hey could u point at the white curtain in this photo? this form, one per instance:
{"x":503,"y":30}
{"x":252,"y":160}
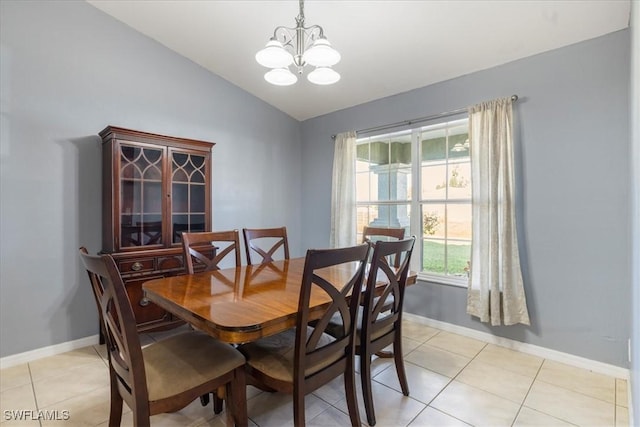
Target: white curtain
{"x":496,"y":292}
{"x":343,"y":192}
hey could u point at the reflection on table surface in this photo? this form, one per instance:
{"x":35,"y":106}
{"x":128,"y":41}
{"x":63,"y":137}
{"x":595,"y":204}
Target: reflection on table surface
{"x":244,"y":303}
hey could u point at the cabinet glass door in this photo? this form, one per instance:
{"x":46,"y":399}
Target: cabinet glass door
{"x":140,"y":196}
{"x":188,"y":193}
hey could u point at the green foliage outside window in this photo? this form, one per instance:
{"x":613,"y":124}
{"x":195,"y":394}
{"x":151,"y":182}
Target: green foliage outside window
{"x":457,"y":258}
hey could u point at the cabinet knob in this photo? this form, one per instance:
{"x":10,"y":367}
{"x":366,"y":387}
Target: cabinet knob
{"x":144,"y":302}
{"x":136,"y":266}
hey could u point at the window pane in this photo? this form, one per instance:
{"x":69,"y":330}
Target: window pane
{"x":180,"y":224}
{"x":363,"y":187}
{"x":151,"y":229}
{"x":433,"y":256}
{"x":362,"y":165}
{"x":179,"y":197}
{"x":196,"y":223}
{"x":458,"y":257}
{"x":379,"y":153}
{"x":391,"y":215}
{"x":364,"y":216}
{"x":458,"y":141}
{"x":402,"y":184}
{"x":434,"y":145}
{"x":459,"y":221}
{"x":434,"y":181}
{"x":197,"y":198}
{"x":362,"y":157}
{"x":152,"y":197}
{"x":433,"y":220}
{"x":401,"y":150}
{"x":381,"y":177}
{"x":459,"y":180}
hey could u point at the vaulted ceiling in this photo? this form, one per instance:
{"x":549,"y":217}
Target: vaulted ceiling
{"x":387,"y":47}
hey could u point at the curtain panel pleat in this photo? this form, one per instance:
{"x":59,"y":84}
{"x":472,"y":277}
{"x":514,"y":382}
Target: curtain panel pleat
{"x":496,"y":291}
{"x":343,"y":191}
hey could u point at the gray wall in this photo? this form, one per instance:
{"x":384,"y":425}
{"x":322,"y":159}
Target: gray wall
{"x":573,"y":191}
{"x":635,"y":211}
{"x":69,"y":70}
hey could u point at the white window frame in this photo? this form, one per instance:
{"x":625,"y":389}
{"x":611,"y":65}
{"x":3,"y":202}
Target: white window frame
{"x":416,"y":202}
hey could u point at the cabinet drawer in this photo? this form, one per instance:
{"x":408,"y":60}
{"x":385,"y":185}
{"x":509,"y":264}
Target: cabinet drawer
{"x":144,"y":310}
{"x":136,"y":265}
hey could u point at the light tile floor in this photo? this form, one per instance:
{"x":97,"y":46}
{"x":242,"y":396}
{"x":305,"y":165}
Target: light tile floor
{"x":454,"y":381}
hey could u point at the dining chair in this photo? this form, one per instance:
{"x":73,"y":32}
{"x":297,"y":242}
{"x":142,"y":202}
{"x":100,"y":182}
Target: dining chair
{"x":304,"y":358}
{"x":209,"y":249}
{"x":372,"y":234}
{"x":97,"y":290}
{"x":164,"y":376}
{"x":202,"y":246}
{"x":381,"y":315}
{"x":275,"y":237}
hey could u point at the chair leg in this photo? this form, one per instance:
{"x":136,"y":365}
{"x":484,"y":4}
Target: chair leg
{"x":350,"y":391}
{"x":204,"y":399}
{"x":399,"y":359}
{"x":141,"y":414}
{"x":298,"y":408}
{"x":365,"y":378}
{"x":115,"y":411}
{"x":218,"y":399}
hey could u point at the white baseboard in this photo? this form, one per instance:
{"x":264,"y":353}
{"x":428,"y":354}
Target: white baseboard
{"x":52,"y":350}
{"x":546,"y":353}
{"x":558,"y":356}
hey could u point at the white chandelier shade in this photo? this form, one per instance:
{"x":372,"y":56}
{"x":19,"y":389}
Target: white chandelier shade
{"x":274,"y":55}
{"x":280,"y":77}
{"x":298,"y":47}
{"x":323,"y":76}
{"x":321,"y":54}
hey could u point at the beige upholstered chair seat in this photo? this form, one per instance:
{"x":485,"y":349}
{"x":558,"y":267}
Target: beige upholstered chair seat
{"x":183,"y":361}
{"x":274,"y":355}
{"x":335,"y":326}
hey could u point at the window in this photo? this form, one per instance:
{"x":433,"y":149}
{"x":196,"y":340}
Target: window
{"x":420,"y":179}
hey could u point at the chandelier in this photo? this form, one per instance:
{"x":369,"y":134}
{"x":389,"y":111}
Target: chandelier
{"x":295,"y":48}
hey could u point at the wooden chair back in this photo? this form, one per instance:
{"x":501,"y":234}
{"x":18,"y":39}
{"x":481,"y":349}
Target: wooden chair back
{"x":276,"y":237}
{"x":127,"y":370}
{"x":304,"y":359}
{"x":127,"y":365}
{"x":382,"y":314}
{"x":337,"y":354}
{"x":383,"y":310}
{"x":202,"y":247}
{"x":372,"y":235}
{"x":98,"y":290}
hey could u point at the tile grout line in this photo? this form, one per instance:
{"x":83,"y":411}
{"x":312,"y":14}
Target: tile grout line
{"x":555,"y":385}
{"x":403,"y":356}
{"x":33,"y":389}
{"x":524,"y":399}
{"x":544,"y":360}
{"x":450,"y":380}
{"x":578,"y":392}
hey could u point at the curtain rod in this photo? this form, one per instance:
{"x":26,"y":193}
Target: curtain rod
{"x":418,"y":120}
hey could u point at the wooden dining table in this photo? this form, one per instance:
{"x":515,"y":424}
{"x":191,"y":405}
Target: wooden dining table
{"x":243,"y":304}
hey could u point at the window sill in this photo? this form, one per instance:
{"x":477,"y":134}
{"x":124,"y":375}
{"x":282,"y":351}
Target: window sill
{"x":459,"y":282}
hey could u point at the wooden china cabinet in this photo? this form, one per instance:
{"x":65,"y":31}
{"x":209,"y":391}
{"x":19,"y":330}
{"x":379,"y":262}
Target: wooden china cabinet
{"x":154,"y":188}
